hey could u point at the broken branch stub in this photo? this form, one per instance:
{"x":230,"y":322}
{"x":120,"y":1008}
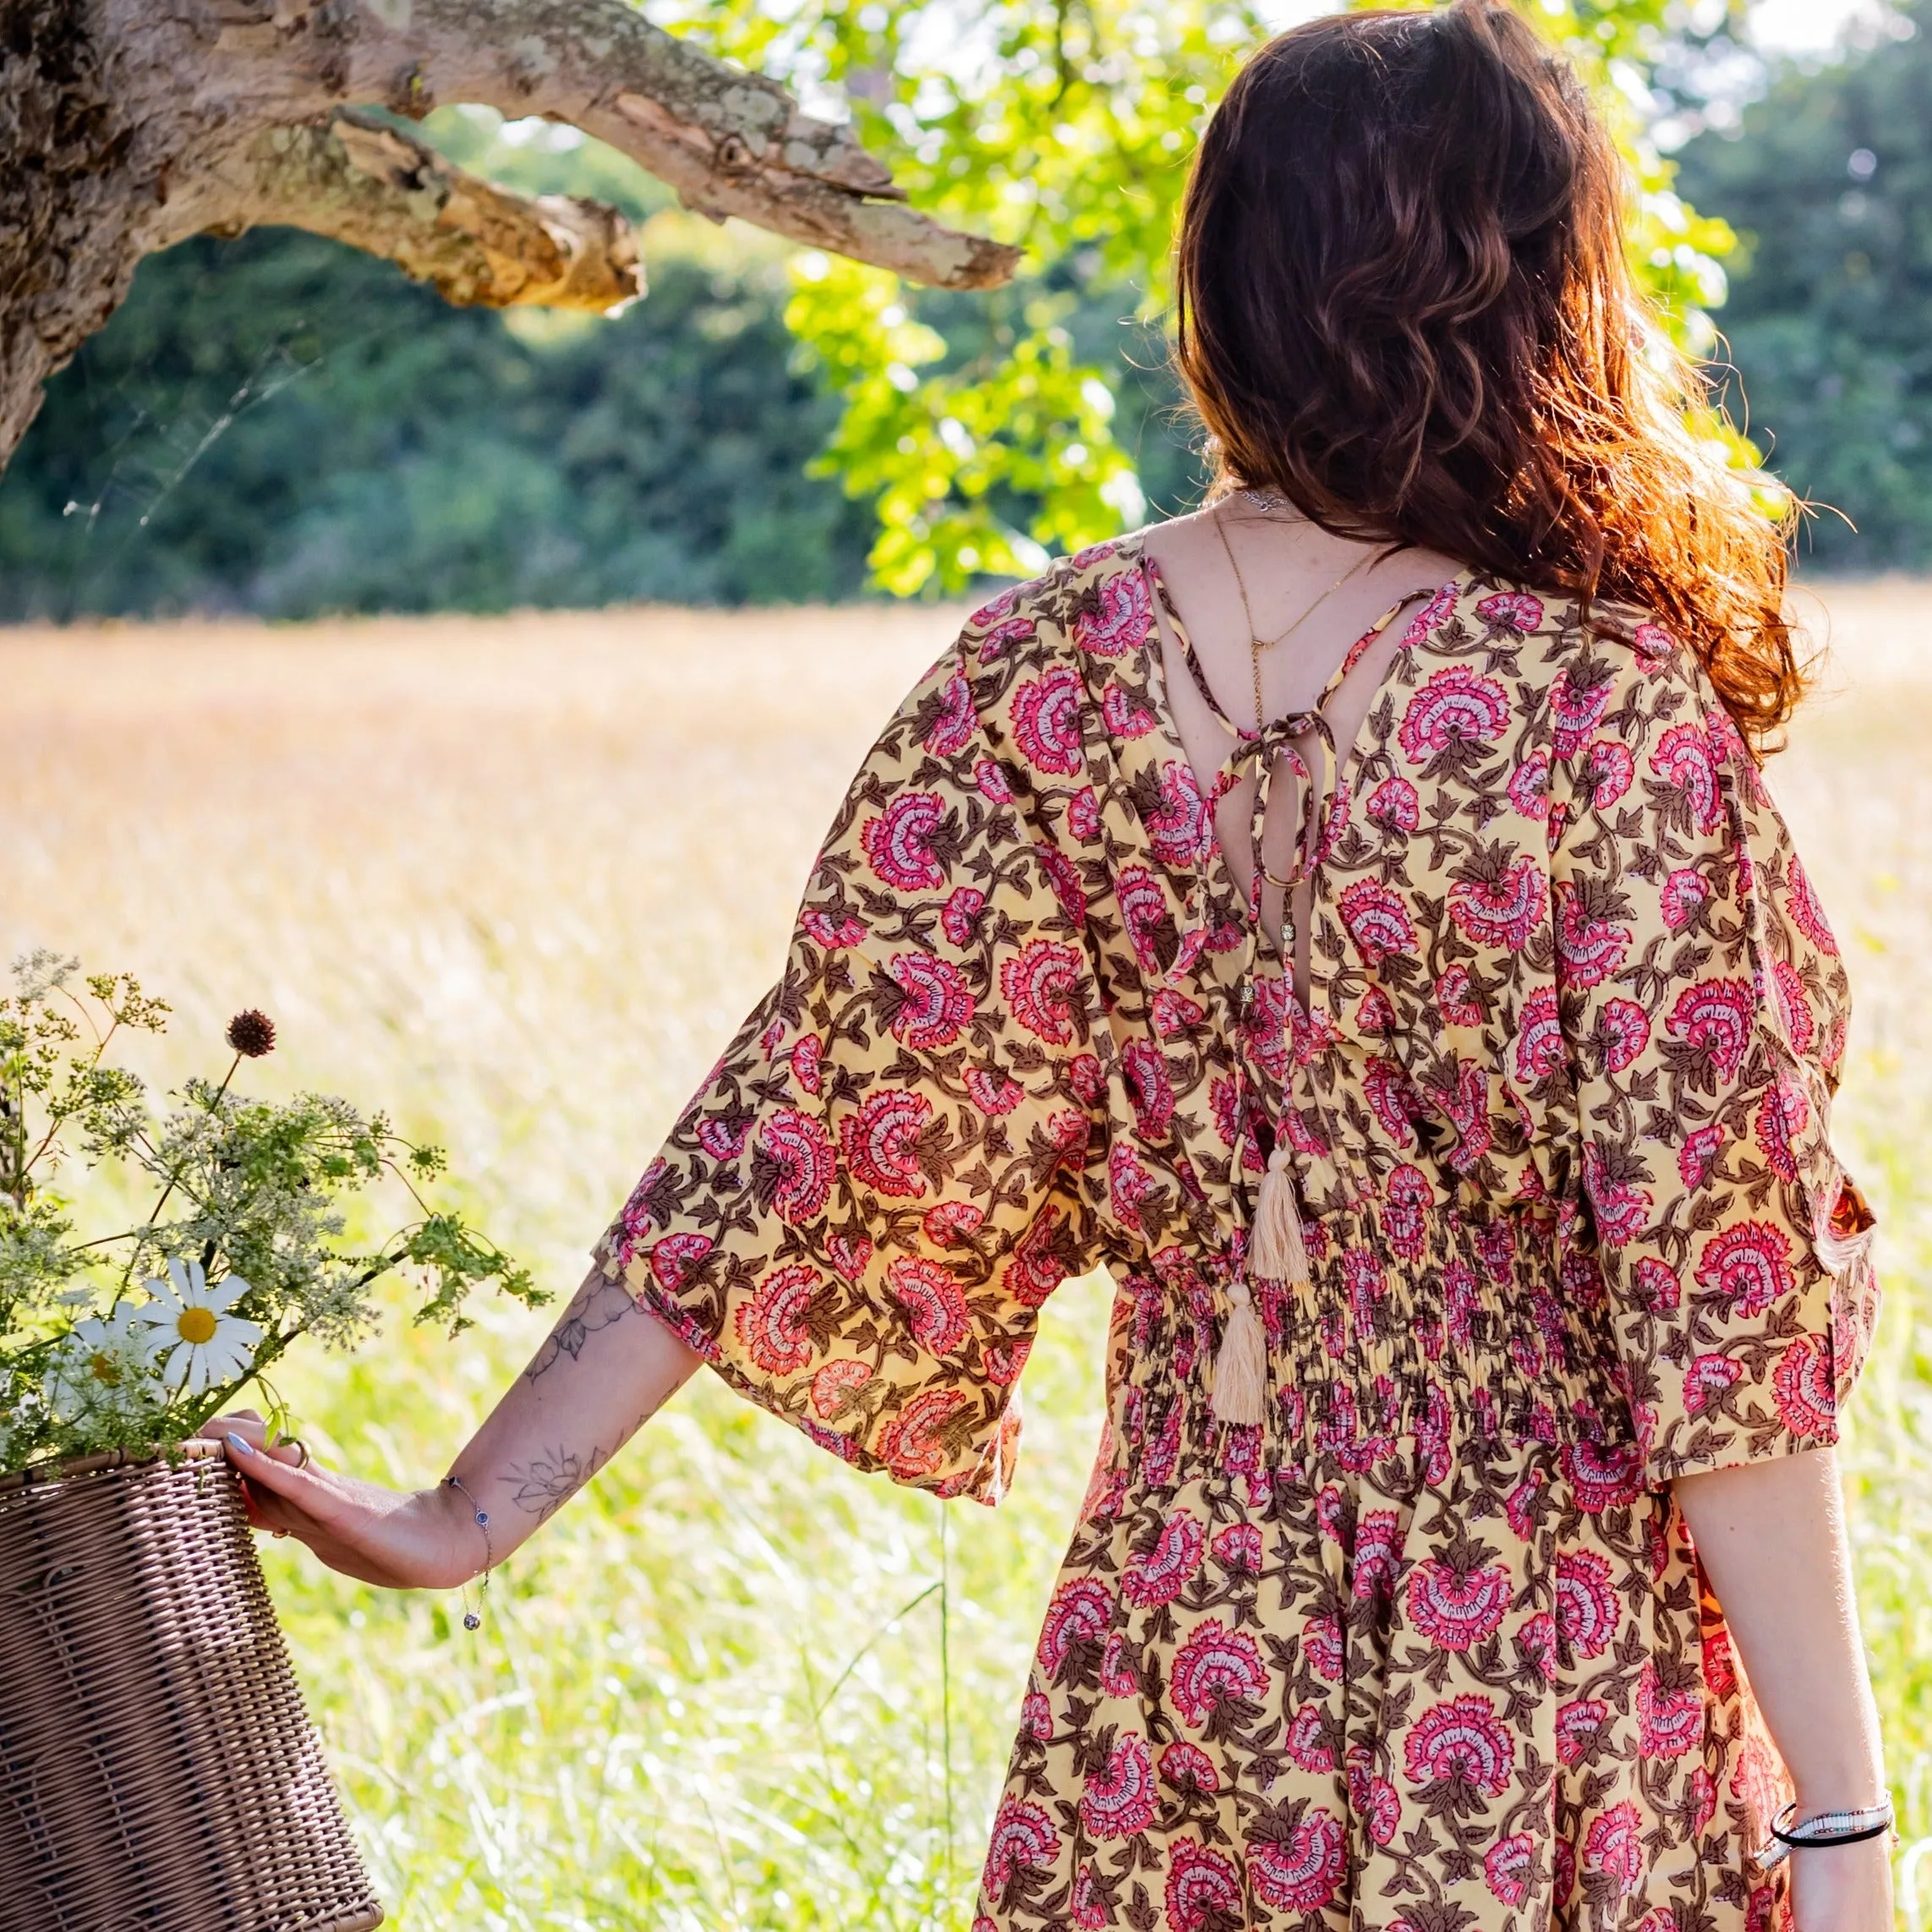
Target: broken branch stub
{"x":359,"y":180}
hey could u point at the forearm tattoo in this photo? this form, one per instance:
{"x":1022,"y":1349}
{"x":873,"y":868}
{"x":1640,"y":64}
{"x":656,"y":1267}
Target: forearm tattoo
{"x":595,"y":1306}
{"x":543,"y":1484}
{"x":546,"y":1482}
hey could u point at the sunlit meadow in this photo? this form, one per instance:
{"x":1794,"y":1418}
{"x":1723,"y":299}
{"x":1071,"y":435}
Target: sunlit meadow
{"x":518,"y":880}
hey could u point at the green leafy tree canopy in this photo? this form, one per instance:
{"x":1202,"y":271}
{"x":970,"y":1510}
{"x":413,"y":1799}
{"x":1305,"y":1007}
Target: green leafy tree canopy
{"x":1067,"y":126}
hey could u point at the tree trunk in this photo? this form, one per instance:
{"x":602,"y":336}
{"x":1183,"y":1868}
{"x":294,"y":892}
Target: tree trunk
{"x":128,"y":125}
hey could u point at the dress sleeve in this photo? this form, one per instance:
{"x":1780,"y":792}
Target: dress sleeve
{"x":857,"y":1218}
{"x":1704,"y":1007}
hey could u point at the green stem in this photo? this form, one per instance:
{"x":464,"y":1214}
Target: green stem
{"x":17,"y":1193}
{"x":80,"y":1005}
{"x":211,"y":1402}
{"x":55,"y":1122}
{"x":173,"y":1177}
{"x":859,"y":1656}
{"x":104,"y":1240}
{"x":395,"y":1169}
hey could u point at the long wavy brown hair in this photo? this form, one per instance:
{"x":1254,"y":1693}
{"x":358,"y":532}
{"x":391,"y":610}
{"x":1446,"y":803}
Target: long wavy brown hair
{"x":1404,"y":305}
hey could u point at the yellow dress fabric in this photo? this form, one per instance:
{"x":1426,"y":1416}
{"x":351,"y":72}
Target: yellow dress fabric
{"x":1428,"y":1649}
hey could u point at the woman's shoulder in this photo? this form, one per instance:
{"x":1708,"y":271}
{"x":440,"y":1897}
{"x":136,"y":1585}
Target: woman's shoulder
{"x":1097,"y":603}
{"x":1095,"y":599}
{"x":1558,"y":645}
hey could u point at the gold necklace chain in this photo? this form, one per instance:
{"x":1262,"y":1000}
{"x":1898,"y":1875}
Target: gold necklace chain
{"x":1257,"y":643}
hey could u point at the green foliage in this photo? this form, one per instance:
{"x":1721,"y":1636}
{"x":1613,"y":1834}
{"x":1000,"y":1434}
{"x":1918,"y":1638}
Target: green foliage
{"x":1068,"y":127}
{"x":1065,"y":127}
{"x":280,"y":425}
{"x":138,"y":1336}
{"x":1830,"y":321}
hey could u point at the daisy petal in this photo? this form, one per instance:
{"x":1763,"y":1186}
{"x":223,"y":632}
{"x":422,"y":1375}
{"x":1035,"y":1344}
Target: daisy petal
{"x":187,"y":1368}
{"x":229,"y":1357}
{"x":223,"y":1295}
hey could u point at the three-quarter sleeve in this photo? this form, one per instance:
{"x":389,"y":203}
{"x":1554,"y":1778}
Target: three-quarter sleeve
{"x":857,"y":1218}
{"x":1704,"y":1006}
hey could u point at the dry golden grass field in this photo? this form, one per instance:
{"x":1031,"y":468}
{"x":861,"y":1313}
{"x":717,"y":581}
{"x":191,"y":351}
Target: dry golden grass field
{"x":517,"y":879}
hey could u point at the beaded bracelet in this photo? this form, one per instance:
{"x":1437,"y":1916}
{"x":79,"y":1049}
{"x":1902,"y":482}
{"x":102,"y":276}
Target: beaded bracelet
{"x":1828,"y":1828}
{"x":472,"y":1619}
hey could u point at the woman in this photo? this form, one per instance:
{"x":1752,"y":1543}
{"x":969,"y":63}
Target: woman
{"x":1454,"y":1122}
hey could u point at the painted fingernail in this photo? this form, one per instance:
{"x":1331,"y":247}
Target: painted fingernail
{"x":237,"y":1445}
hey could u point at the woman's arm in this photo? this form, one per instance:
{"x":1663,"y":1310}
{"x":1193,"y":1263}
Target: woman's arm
{"x":1771,"y":1539}
{"x":603,"y":1372}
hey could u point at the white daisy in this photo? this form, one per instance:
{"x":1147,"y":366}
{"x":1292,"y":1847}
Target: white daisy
{"x":202,"y":1343}
{"x":105,"y":1365}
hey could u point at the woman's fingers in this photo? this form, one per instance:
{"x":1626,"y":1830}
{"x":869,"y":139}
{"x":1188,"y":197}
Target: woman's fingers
{"x":340,"y":1546}
{"x":314,"y":1503}
{"x":268,"y":1511}
{"x":307,"y":1490}
{"x":247,"y":1423}
{"x":287,"y":1493}
{"x":358,"y":1528}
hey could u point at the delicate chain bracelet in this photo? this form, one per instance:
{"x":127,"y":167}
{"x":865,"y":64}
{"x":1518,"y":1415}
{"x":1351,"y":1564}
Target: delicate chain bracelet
{"x":1827,"y":1828}
{"x":472,"y":1619}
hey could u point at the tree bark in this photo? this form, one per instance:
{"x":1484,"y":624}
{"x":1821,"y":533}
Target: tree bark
{"x":359,"y":180}
{"x":128,"y":125}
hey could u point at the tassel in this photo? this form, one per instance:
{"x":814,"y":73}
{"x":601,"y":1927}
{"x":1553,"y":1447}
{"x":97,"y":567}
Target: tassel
{"x":1276,"y":1252}
{"x":1241,"y":1363}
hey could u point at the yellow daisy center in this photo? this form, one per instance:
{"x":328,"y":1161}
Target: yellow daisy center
{"x":195,"y":1326}
{"x":104,"y":1368}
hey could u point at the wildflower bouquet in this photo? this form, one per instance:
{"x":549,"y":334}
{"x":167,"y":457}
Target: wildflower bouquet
{"x":133,"y":1338}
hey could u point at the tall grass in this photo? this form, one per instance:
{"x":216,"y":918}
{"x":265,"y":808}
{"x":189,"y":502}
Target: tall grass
{"x":519,"y":879}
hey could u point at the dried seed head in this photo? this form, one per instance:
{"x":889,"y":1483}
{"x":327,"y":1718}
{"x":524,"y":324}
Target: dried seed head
{"x":252,"y":1034}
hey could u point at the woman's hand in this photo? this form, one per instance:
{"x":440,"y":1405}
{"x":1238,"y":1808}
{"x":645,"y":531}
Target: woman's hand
{"x":605,"y":1369}
{"x":1842,"y":1888}
{"x":426,"y":1539}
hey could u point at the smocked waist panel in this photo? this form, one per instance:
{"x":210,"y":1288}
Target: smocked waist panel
{"x":1417,"y":1326}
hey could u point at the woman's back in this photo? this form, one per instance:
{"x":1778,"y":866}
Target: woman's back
{"x":1554,"y":1113}
{"x":1272,"y":606}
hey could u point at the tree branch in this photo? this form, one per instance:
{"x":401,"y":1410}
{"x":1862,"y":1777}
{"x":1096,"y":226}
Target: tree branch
{"x":359,"y":180}
{"x":719,"y":178}
{"x":731,"y":143}
{"x":127,"y":126}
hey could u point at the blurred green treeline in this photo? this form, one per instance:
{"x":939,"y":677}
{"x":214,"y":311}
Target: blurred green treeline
{"x":1828,"y":182}
{"x":275,"y":424}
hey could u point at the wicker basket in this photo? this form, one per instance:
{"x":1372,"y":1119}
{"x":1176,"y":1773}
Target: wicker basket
{"x":158,"y":1772}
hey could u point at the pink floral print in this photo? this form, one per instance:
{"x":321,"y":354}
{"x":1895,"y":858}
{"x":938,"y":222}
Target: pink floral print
{"x":1429,"y":1648}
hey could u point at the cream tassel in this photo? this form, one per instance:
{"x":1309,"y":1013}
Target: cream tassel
{"x":1275,"y":1251}
{"x":1241,"y":1363}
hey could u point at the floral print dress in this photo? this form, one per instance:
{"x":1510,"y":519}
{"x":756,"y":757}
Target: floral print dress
{"x":1429,"y":1648}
